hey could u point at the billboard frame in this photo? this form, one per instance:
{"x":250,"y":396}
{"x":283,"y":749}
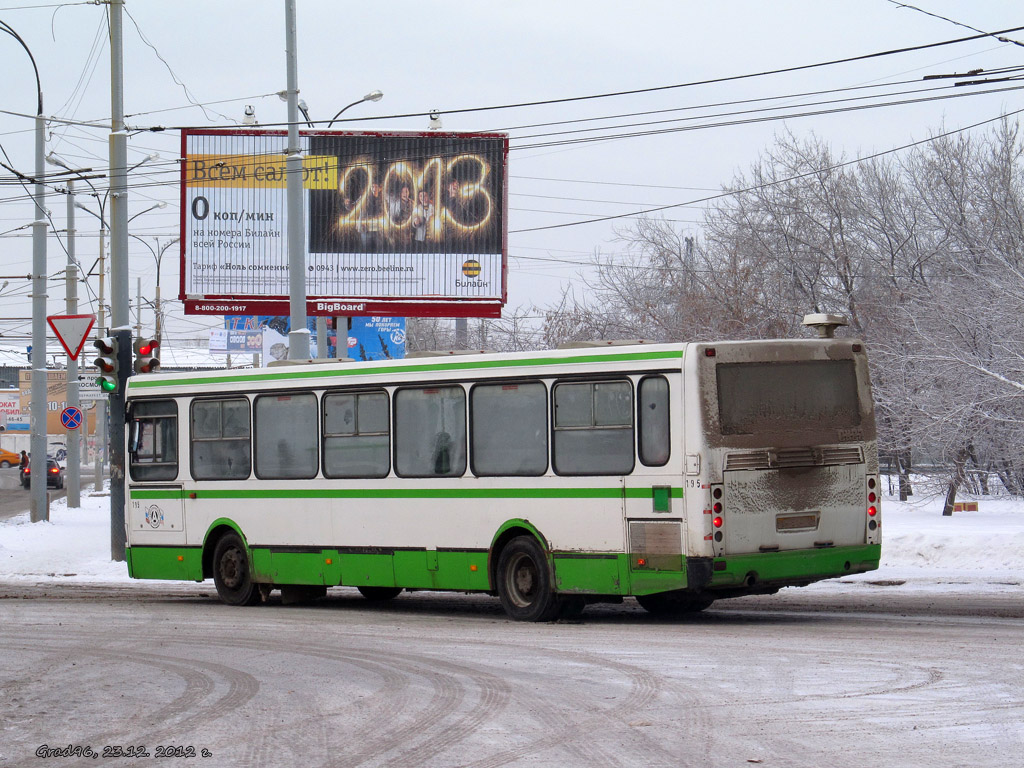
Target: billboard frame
{"x":341,"y":306}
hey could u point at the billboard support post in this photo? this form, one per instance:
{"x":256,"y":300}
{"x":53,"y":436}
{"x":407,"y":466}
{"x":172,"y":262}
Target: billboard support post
{"x":298,"y":337}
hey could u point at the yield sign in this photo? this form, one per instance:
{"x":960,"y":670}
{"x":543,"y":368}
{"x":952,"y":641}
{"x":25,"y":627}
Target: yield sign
{"x":71,"y":331}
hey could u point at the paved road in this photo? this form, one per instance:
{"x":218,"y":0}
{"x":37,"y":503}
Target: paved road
{"x":798,"y":679}
{"x":14,"y":499}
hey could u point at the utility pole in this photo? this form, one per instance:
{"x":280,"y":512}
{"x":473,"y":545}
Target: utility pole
{"x":298,"y":337}
{"x":74,"y":435}
{"x":119,"y":290}
{"x":138,"y":308}
{"x":101,"y":456}
{"x":37,"y":415}
{"x":40,"y":507}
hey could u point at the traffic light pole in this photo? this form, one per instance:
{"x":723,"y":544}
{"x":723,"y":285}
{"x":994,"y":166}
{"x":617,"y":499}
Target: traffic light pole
{"x":118,"y":536}
{"x":119,"y":283}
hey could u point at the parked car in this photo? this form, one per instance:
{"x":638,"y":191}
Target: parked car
{"x":54,"y":475}
{"x":9,"y":458}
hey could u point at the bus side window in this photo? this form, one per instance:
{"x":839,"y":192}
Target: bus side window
{"x":430,"y":432}
{"x":510,"y":429}
{"x":593,"y":428}
{"x":287,"y":436}
{"x":220,"y":439}
{"x":356,"y":435}
{"x":655,"y":427}
{"x":154,"y":453}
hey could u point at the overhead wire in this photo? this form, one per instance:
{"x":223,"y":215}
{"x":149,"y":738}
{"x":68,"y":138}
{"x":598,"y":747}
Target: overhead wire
{"x":730,"y":193}
{"x":660,"y":88}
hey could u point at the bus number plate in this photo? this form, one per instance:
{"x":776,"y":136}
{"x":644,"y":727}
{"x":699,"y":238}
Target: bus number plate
{"x":805,"y":522}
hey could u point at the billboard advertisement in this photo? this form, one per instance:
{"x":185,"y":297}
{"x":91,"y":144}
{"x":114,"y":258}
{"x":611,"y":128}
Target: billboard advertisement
{"x":396,"y":224}
{"x":376,"y":338}
{"x":359,"y":338}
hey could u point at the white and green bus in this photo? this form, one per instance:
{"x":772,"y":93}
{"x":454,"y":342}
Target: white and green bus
{"x":674,"y":473}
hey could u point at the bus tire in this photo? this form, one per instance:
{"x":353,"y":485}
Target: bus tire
{"x":524,"y":582}
{"x":673,"y":603}
{"x":231,"y":572}
{"x":380,"y":594}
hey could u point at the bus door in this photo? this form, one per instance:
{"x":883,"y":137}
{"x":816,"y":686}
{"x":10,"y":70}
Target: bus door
{"x":653,"y":494}
{"x":155,"y":514}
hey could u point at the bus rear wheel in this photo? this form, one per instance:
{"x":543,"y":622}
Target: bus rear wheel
{"x":673,"y":603}
{"x":380,"y":594}
{"x":524,"y":582}
{"x":231,"y":572}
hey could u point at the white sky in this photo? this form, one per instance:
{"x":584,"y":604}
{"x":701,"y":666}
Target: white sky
{"x":456,"y":55}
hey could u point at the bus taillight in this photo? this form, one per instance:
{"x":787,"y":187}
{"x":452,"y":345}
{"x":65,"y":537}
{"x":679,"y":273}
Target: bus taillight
{"x":717,"y":509}
{"x":872,"y":510}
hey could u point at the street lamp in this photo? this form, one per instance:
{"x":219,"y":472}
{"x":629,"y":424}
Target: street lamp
{"x":158,"y":255}
{"x":101,"y":318}
{"x":371,"y":96}
{"x":39,"y":507}
{"x":321,"y":323}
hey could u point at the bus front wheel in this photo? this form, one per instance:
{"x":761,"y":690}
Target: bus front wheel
{"x":231,"y":572}
{"x":524,"y":582}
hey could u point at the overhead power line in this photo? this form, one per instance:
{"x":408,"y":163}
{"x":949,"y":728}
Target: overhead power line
{"x":655,"y":89}
{"x":731,"y":193}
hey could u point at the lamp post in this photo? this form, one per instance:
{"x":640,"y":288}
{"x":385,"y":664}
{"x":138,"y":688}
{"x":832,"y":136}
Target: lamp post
{"x":39,"y":508}
{"x":74,"y":461}
{"x":103,"y":447}
{"x":371,"y":96}
{"x":158,"y":255}
{"x":321,"y":322}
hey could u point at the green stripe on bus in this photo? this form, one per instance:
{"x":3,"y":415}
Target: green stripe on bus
{"x":317,"y":372}
{"x":404,"y":493}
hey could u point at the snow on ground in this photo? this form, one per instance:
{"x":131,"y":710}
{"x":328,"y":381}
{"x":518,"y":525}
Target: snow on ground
{"x":921,"y":549}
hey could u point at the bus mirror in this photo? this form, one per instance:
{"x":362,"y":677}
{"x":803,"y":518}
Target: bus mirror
{"x":133,"y":437}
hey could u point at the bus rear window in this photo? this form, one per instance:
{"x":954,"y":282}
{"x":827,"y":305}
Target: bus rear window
{"x":756,"y":398}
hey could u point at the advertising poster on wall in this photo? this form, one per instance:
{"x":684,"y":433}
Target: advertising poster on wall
{"x":376,"y":338}
{"x":358,"y":338}
{"x":396,"y":224}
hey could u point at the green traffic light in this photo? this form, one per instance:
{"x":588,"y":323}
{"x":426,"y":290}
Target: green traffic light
{"x":107,"y":385}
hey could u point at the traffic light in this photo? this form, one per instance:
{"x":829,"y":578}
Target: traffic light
{"x":146,"y":360}
{"x":108,"y":380}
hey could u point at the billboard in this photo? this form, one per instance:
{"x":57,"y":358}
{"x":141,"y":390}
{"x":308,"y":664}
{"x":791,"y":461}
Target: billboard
{"x":397,"y":224}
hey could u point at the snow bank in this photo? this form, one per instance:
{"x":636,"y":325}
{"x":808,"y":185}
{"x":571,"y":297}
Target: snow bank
{"x":74,"y":545}
{"x":919,"y":545}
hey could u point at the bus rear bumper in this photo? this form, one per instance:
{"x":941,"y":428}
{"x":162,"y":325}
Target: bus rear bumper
{"x":769,"y":571}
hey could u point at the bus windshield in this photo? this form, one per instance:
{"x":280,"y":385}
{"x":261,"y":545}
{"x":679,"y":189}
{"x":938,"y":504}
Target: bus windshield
{"x":756,"y":398}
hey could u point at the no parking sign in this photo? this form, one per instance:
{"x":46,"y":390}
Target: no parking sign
{"x":71,"y":417}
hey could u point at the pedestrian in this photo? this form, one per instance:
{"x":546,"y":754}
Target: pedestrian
{"x":24,"y":461}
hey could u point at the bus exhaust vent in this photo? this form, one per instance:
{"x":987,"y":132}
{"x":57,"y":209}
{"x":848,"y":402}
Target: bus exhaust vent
{"x":793,"y":457}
